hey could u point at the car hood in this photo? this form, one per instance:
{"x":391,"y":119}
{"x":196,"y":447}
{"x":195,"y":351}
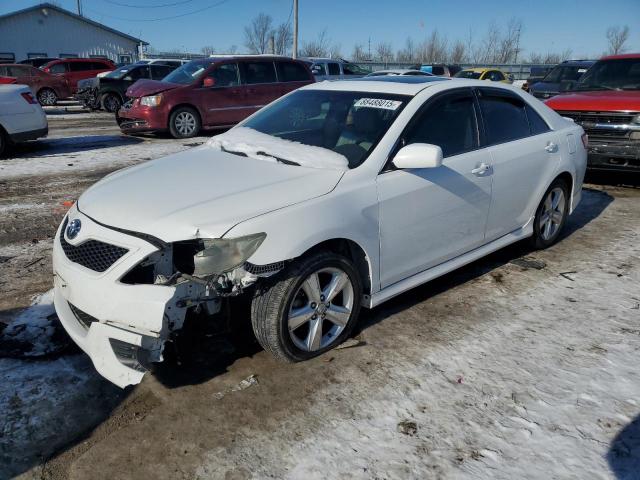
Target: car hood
{"x":144,"y":87}
{"x":601,"y":100}
{"x":88,"y":83}
{"x":200,"y":193}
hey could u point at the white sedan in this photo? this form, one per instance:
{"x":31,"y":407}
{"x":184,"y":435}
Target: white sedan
{"x":337,"y":196}
{"x":21,"y":116}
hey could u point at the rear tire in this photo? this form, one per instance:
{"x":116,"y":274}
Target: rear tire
{"x":47,"y":97}
{"x":291,"y":323}
{"x":551,"y":215}
{"x":111,"y":102}
{"x":184,"y":122}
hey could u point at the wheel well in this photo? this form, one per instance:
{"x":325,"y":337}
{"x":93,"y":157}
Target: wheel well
{"x":111,"y":92}
{"x":353,"y":252}
{"x":568,"y":179}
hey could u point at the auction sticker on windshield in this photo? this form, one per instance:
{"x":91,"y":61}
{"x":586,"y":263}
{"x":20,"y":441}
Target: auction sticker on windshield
{"x":378,"y":103}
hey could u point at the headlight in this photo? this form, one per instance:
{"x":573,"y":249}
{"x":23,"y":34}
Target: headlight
{"x":224,"y":254}
{"x":151,"y":100}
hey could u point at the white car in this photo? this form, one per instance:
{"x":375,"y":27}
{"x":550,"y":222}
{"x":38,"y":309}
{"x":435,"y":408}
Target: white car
{"x":339,"y":195}
{"x":21,"y":116}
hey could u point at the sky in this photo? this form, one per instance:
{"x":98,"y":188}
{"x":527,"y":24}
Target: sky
{"x":549,"y":25}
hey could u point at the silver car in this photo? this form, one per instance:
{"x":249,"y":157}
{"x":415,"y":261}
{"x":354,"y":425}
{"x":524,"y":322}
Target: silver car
{"x":334,"y":68}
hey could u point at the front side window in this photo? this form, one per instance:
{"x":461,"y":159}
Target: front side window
{"x":353,"y":69}
{"x":259,"y":72}
{"x":225,"y":75}
{"x":470,"y":74}
{"x":347,"y":123}
{"x":188,"y":73}
{"x":16,"y":71}
{"x":138,"y":73}
{"x":318,"y":69}
{"x":80,"y":66}
{"x":58,"y":68}
{"x":158,"y":72}
{"x":449,"y":122}
{"x":334,"y":68}
{"x":504,"y":116}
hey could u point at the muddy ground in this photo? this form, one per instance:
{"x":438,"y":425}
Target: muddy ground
{"x":521,"y":365}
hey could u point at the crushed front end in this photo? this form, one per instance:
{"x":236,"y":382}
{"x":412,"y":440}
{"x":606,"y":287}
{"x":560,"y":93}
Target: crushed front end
{"x":121,"y":295}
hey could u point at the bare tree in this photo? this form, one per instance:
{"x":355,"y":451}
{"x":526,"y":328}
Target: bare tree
{"x":320,"y":47}
{"x":617,"y":37}
{"x":208,"y":50}
{"x":283,"y":38}
{"x":409,"y":53}
{"x":458,"y":52}
{"x":489,"y":46}
{"x":434,"y":49}
{"x":232,"y":49}
{"x":257,"y":34}
{"x":384,"y":52}
{"x":358,"y":54}
{"x":509,"y":44}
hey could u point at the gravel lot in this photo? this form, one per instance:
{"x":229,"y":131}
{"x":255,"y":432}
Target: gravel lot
{"x":521,"y":365}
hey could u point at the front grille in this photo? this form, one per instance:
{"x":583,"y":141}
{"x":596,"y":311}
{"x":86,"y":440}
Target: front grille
{"x":92,"y":254}
{"x":597,"y":117}
{"x":84,"y":318}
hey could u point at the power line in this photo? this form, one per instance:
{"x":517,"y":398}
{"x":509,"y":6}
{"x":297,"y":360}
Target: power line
{"x":217,"y":4}
{"x":148,"y":6}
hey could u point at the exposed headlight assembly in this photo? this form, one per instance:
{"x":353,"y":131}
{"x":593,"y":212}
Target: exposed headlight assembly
{"x":222,"y":255}
{"x":151,"y":100}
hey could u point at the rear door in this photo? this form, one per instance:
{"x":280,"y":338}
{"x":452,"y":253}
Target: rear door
{"x":524,"y":153}
{"x":224,"y":102}
{"x":261,"y":83}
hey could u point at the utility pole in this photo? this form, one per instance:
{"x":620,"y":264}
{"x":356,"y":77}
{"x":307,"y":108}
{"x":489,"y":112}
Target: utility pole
{"x":79,"y":2}
{"x":295,"y":28}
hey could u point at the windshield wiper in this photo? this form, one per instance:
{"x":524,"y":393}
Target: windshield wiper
{"x":242,"y":154}
{"x":281,"y":160}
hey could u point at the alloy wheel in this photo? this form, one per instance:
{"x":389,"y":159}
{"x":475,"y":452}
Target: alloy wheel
{"x":47,"y":97}
{"x":321,"y":309}
{"x":111,"y":104}
{"x":552,"y":213}
{"x":185,"y":123}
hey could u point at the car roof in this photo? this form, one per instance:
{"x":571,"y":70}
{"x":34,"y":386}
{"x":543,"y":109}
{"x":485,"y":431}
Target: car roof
{"x":402,"y":84}
{"x":479,"y":69}
{"x":220,"y":58}
{"x":400,"y":71}
{"x":621,"y":57}
{"x":578,"y":62}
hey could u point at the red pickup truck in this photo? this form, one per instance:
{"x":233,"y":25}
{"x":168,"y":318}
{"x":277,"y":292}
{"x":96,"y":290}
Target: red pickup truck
{"x":606,"y":102}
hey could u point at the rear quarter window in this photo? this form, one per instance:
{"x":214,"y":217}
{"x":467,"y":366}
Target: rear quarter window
{"x":259,"y":72}
{"x":537,"y":125}
{"x":334,"y":69}
{"x":292,"y":72}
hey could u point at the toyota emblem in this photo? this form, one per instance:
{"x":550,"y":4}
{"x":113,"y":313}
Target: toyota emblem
{"x":73,"y":229}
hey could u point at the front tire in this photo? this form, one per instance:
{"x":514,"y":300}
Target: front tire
{"x":551,"y":215}
{"x":47,"y":97}
{"x":111,"y":102}
{"x":184,"y":122}
{"x":309,"y":308}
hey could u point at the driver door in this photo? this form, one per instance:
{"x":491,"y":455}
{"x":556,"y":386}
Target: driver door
{"x":224,"y":100}
{"x":431,"y":215}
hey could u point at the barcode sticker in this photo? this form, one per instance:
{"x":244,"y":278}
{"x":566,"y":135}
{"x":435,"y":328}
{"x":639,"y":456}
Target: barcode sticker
{"x":378,"y":103}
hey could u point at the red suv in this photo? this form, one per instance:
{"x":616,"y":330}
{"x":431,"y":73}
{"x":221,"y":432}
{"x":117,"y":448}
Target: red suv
{"x":211,"y":92}
{"x":47,"y":88}
{"x":76,"y":69}
{"x":606,"y":102}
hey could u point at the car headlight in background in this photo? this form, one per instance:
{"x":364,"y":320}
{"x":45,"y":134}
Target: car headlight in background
{"x":221,"y":255}
{"x":151,"y":100}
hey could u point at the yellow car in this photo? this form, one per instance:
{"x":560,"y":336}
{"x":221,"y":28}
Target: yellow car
{"x":492,"y":74}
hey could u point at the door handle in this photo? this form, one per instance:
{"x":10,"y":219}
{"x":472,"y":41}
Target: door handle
{"x":551,"y":147}
{"x":480,"y":169}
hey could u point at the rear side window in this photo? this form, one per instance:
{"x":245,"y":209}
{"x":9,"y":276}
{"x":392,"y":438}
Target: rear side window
{"x":334,"y":69}
{"x":504,"y":116}
{"x":99,"y":66}
{"x":16,"y":71}
{"x":158,"y":72}
{"x":437,"y":70}
{"x":318,"y":69}
{"x":80,"y":66}
{"x":449,"y":122}
{"x":536,"y":123}
{"x":259,"y":72}
{"x":138,"y":73}
{"x":291,"y":72}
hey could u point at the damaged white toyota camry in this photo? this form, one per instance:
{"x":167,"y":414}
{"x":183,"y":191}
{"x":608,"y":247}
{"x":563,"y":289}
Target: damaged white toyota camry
{"x":339,"y":195}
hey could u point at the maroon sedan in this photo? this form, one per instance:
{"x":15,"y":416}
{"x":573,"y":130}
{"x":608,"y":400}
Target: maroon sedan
{"x":47,"y":88}
{"x":210,"y":93}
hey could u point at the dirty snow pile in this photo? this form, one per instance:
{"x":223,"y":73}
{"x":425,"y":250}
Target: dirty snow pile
{"x":35,"y":332}
{"x":261,"y":146}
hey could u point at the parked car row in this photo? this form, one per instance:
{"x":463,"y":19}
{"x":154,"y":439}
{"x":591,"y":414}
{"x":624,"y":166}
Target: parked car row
{"x":21,"y":117}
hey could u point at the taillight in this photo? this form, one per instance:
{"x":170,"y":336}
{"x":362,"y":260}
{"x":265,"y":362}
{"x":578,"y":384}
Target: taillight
{"x":585,"y":140}
{"x":29,"y":98}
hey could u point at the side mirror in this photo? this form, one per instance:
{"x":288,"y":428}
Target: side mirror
{"x":208,"y":82}
{"x":419,"y":155}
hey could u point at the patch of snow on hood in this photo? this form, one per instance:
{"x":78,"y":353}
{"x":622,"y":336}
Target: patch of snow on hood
{"x":260,"y":146}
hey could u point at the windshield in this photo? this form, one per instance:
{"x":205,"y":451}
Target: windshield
{"x":187,"y":73}
{"x":119,"y":72}
{"x":349,"y":124}
{"x":468,"y":74}
{"x":565,"y":73}
{"x":623,"y":74}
